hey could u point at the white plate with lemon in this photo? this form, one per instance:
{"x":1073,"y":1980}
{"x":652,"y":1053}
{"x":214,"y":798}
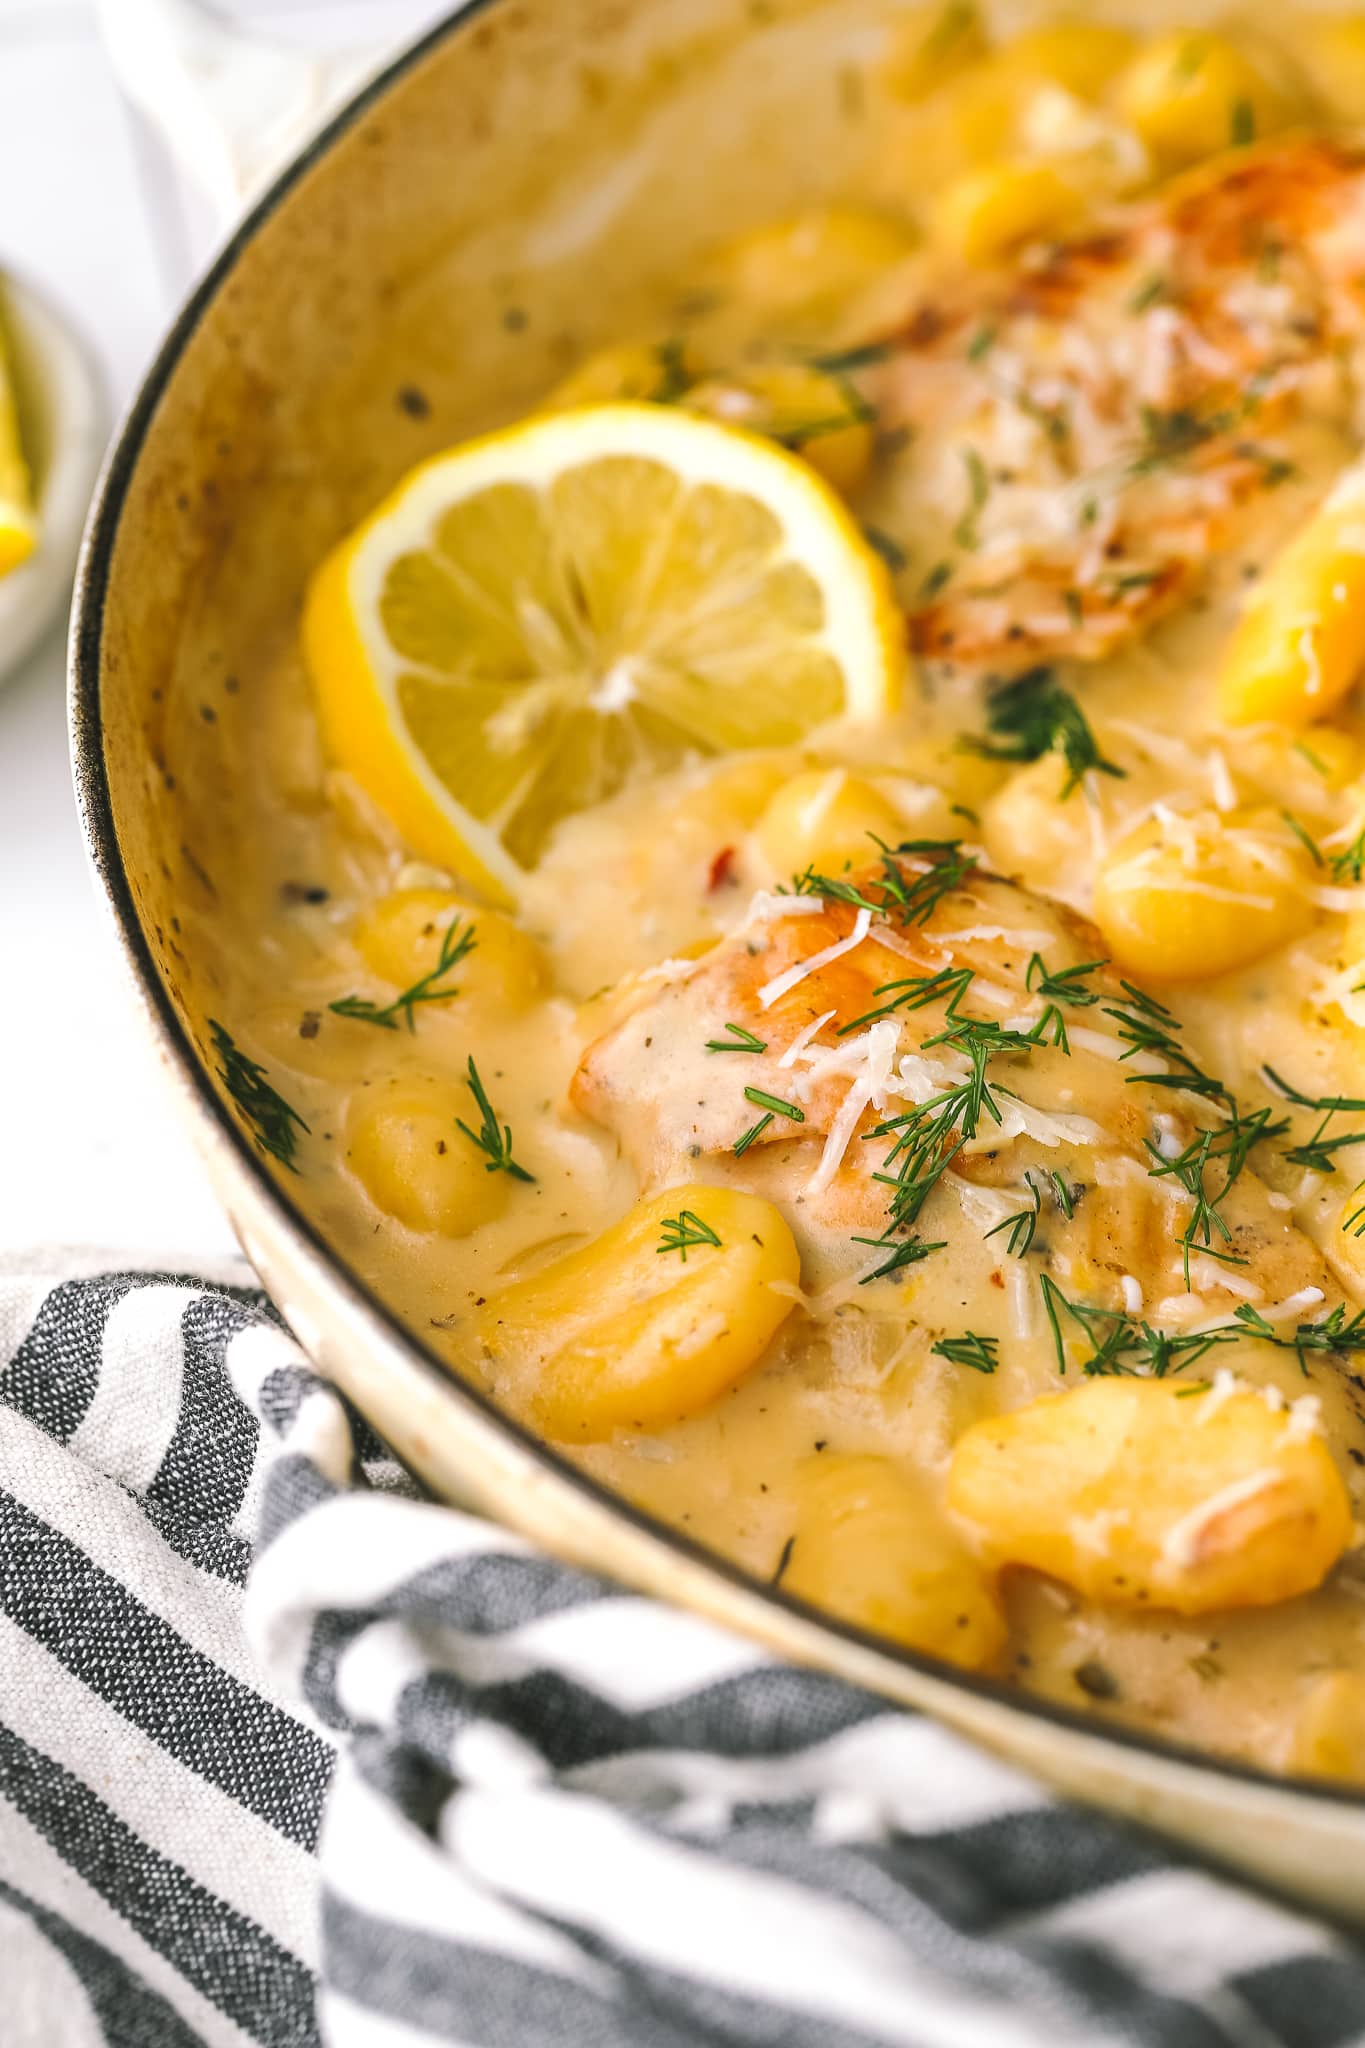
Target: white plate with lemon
{"x":52,"y":419}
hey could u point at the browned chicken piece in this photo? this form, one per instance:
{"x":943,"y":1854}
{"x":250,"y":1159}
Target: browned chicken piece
{"x":837,"y":1032}
{"x":1084,"y":429}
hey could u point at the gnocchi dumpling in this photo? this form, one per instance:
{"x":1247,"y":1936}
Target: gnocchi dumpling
{"x":652,"y":1320}
{"x":1140,"y":1492}
{"x":404,"y":1144}
{"x":1186,"y":896}
{"x":1192,"y":92}
{"x":400,"y":938}
{"x":1299,"y":645}
{"x":826,"y":819}
{"x":871,"y":1547}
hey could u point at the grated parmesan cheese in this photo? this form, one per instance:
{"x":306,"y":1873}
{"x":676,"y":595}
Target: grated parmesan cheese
{"x":1181,"y":1546}
{"x":781,"y":984}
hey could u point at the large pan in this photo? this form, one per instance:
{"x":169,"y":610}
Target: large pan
{"x":524,"y":183}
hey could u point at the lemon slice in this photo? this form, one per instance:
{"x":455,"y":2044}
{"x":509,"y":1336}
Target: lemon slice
{"x":532,"y":616}
{"x":18,"y":527}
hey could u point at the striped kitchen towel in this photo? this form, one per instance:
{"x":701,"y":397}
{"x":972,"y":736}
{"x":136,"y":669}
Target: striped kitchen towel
{"x":288,"y":1753}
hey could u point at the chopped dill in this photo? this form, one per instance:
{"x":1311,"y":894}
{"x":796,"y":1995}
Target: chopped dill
{"x":916,"y":993}
{"x":675,"y":379}
{"x":739,"y":1040}
{"x":754,"y":1132}
{"x":1305,"y":838}
{"x":1350,"y":865}
{"x":907,"y":1253}
{"x":774,"y":1103}
{"x":1120,"y":1344}
{"x":1242,"y":125}
{"x":887,"y":546}
{"x":1033,"y":716}
{"x":1334,"y":1334}
{"x":1318,"y":1153}
{"x":966,"y":534}
{"x":981,"y":343}
{"x":1021,"y":1225}
{"x":274,"y":1122}
{"x":683,"y":1232}
{"x":935,"y":581}
{"x":978,"y":1353}
{"x":456,"y":945}
{"x":916,"y":897}
{"x":1149,"y":293}
{"x":492,"y":1138}
{"x":1068,"y":985}
{"x":839,"y":361}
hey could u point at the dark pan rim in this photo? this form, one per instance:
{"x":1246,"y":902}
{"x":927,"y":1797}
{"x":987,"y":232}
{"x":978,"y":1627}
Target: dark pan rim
{"x":95,"y":805}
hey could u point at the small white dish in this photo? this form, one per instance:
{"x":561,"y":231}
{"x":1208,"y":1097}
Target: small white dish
{"x":64,"y":423}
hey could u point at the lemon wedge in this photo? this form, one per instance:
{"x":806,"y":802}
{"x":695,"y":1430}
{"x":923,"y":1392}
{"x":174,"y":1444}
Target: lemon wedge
{"x":18,"y":526}
{"x":530,"y":617}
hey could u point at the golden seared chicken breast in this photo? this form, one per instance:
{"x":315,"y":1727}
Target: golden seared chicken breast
{"x":925,"y":1052}
{"x":1085,"y":425}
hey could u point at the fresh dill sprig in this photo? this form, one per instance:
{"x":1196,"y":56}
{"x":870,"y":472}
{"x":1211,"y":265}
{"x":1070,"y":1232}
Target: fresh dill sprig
{"x":915,"y":993}
{"x":1120,"y":1344}
{"x":1145,"y":1025}
{"x":1024,"y":1222}
{"x":1350,"y":865}
{"x":1318,"y":1153}
{"x":1169,"y":436}
{"x":774,"y":1105}
{"x":1305,"y":838}
{"x":1021,"y":1225}
{"x":979,"y":1353}
{"x":907,"y":1252}
{"x":275,"y":1123}
{"x":1334,"y":1334}
{"x":1066,"y":986}
{"x":1206,"y":1217}
{"x":887,"y":546}
{"x":675,"y":378}
{"x":740,"y":1040}
{"x":493,"y":1138}
{"x":967,"y":534}
{"x":839,"y":361}
{"x":681,"y":1233}
{"x":915,"y":896}
{"x":1033,"y":716}
{"x":456,"y":945}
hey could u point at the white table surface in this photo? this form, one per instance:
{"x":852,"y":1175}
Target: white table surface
{"x":90,"y":1152}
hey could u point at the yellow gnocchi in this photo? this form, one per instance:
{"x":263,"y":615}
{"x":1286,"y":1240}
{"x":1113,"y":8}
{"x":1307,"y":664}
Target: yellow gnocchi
{"x":404,"y":1144}
{"x":818,"y":415}
{"x":872,"y":1547}
{"x":812,"y":259}
{"x":1137,"y":1492}
{"x":988,"y":212}
{"x":1185,"y":897}
{"x":652,"y":1320}
{"x":826,"y":819}
{"x":400,"y":939}
{"x":1299,"y":645}
{"x":1193,"y":92}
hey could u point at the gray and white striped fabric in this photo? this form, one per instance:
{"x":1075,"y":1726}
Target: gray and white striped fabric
{"x":289,"y":1753}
